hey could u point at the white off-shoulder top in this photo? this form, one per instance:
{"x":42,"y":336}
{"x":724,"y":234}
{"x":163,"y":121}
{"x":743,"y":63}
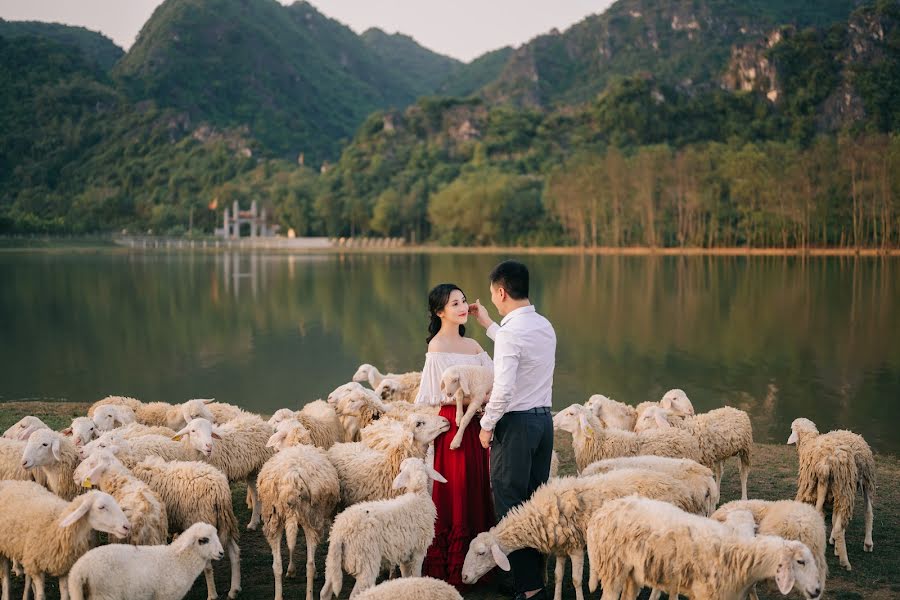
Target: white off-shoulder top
{"x":435,"y":363}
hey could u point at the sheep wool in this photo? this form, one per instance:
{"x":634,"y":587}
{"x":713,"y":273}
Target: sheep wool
{"x":411,"y":588}
{"x":53,"y":455}
{"x":612,"y":414}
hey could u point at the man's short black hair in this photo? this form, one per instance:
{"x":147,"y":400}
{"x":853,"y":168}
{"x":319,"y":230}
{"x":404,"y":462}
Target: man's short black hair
{"x":512,"y":276}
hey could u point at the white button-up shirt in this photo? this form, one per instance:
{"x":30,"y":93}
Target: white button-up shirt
{"x":524,"y":358}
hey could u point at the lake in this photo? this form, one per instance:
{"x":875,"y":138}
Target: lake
{"x":780,"y":337}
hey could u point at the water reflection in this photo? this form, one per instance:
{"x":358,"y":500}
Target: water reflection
{"x":779,"y":337}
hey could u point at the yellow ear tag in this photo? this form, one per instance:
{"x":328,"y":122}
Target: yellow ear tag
{"x":589,"y":430}
{"x":177,"y":438}
{"x":87,"y":483}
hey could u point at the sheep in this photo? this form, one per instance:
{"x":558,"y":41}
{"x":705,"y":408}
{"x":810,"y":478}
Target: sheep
{"x":400,"y":411}
{"x":634,"y":542}
{"x":788,"y":519}
{"x":676,"y":466}
{"x":11,"y":461}
{"x":396,"y":531}
{"x":612,"y":414}
{"x":53,"y":455}
{"x":51,"y":533}
{"x":146,"y":413}
{"x":677,"y":402}
{"x":342,"y":390}
{"x":117,"y":573}
{"x":237,"y":448}
{"x":466,"y":383}
{"x":110,"y":416}
{"x":133,"y":450}
{"x":592,"y":442}
{"x":367,"y":372}
{"x":411,"y":588}
{"x":23,"y":428}
{"x":298,"y":487}
{"x":357,"y":409}
{"x":280,"y":415}
{"x":367,"y":473}
{"x":209,"y":409}
{"x":322,"y":422}
{"x":721,"y":434}
{"x":135,"y":430}
{"x":132,"y":403}
{"x":403,"y":389}
{"x":196,"y":492}
{"x":554,"y":520}
{"x":145,"y":512}
{"x":826,"y":475}
{"x":82,"y":430}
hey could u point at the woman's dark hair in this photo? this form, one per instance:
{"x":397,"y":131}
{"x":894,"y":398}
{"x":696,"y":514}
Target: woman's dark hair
{"x":512,"y":276}
{"x":438,"y":298}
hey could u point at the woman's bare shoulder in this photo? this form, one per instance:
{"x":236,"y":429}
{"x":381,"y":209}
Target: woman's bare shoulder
{"x":475,"y":346}
{"x":438,"y":345}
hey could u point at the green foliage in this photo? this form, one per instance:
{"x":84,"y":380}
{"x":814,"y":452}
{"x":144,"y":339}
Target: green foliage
{"x":95,"y":47}
{"x":421,"y":70}
{"x":468,"y":78}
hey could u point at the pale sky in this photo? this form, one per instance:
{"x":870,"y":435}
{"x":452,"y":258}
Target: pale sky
{"x":463,"y":29}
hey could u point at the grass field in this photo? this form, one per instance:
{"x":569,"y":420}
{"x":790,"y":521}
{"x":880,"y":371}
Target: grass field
{"x":875,"y":576}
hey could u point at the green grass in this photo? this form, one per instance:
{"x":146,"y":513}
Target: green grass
{"x":874,"y":576}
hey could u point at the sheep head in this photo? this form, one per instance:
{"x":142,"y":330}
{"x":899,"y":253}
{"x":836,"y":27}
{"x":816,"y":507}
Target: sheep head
{"x":103,"y":513}
{"x":452,"y":380}
{"x":82,"y":430}
{"x":196,"y":409}
{"x":24,"y":428}
{"x":110,"y":440}
{"x":289,"y":433}
{"x":387,"y":388}
{"x":92,"y":469}
{"x":797,"y":569}
{"x":678,"y":402}
{"x":42,"y":448}
{"x":105,"y":417}
{"x":484,"y":554}
{"x":414,"y":476}
{"x":342,"y":391}
{"x":654,"y":417}
{"x":365,"y":373}
{"x":576,"y":419}
{"x":801,"y":429}
{"x":282,"y":414}
{"x":200,"y":434}
{"x":425,"y":428}
{"x":201,"y":538}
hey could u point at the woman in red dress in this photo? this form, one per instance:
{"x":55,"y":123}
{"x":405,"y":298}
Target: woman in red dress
{"x":464,"y":504}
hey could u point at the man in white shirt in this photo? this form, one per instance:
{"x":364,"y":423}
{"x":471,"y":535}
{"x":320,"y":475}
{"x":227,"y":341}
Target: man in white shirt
{"x":517,"y":425}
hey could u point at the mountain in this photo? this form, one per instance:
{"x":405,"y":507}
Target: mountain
{"x":468,"y":78}
{"x":297,"y":80}
{"x":682,"y":42}
{"x":421,"y":70}
{"x":97,"y":48}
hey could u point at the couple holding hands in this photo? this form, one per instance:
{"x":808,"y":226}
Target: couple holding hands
{"x":498,"y":467}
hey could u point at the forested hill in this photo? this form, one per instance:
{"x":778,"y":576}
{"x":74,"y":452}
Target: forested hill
{"x":96,"y":47}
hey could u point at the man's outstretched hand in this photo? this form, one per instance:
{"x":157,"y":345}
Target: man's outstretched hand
{"x":485,"y":436}
{"x":481,"y":315}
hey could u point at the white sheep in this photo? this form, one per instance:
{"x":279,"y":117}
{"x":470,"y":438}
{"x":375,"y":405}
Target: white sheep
{"x":150,"y":572}
{"x":367,"y":473}
{"x":83,"y":430}
{"x":237,"y":448}
{"x":11,"y":461}
{"x":634,"y":542}
{"x":209,"y":409}
{"x":135,"y":449}
{"x":399,"y":388}
{"x":721,"y":434}
{"x":468,"y":385}
{"x":554,"y":520}
{"x":592,"y":442}
{"x":53,"y":455}
{"x":788,"y":519}
{"x":146,"y":413}
{"x":342,"y":390}
{"x":110,"y":416}
{"x":411,"y":588}
{"x":832,"y":466}
{"x":298,"y":487}
{"x":322,"y":422}
{"x":396,"y":532}
{"x":280,"y":415}
{"x":21,"y":429}
{"x":145,"y":512}
{"x":134,"y":430}
{"x":51,"y":533}
{"x":367,"y":372}
{"x":357,"y":409}
{"x":196,"y":492}
{"x":683,"y":467}
{"x":612,"y":414}
{"x":677,"y":401}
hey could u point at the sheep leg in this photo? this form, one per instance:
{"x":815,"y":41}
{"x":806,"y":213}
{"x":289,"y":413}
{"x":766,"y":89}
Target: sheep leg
{"x":365,"y":579}
{"x":612,"y":590}
{"x":254,"y":497}
{"x":17,"y":568}
{"x":211,"y":593}
{"x":290,"y":532}
{"x":655,"y":593}
{"x":234,"y":557}
{"x":577,"y":559}
{"x":28,"y":585}
{"x":631,"y":590}
{"x":868,"y":545}
{"x":558,"y":573}
{"x":37,"y":582}
{"x":840,"y":542}
{"x":466,"y":419}
{"x":459,"y":407}
{"x":745,"y":473}
{"x":4,"y":578}
{"x":752,"y":595}
{"x":274,"y":540}
{"x":64,"y":587}
{"x":416,"y":565}
{"x":312,"y":540}
{"x":821,"y":493}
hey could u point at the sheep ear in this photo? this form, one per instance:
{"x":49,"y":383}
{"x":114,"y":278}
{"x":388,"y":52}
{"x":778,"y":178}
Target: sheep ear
{"x":208,"y":400}
{"x":793,"y":438}
{"x":215,"y":435}
{"x":80,"y":511}
{"x":276,"y":439}
{"x":442,"y":385}
{"x":784,"y":576}
{"x":54,"y":447}
{"x":400,"y":480}
{"x":500,"y":558}
{"x":661,"y":420}
{"x":435,"y":475}
{"x":66,"y":431}
{"x":94,"y":474}
{"x":585,"y":424}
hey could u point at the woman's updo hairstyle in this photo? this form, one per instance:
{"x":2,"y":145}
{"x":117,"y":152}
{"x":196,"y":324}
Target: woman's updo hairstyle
{"x":438,"y":298}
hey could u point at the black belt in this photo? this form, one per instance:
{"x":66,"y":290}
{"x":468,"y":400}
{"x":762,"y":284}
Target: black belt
{"x":540,"y":410}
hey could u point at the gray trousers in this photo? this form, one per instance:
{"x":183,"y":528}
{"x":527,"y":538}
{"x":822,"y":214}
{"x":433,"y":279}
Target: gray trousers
{"x":520,"y":463}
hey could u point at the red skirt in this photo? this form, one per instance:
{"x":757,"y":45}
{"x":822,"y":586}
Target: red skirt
{"x":464,"y":504}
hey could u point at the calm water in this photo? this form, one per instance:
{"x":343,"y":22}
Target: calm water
{"x":778,"y":337}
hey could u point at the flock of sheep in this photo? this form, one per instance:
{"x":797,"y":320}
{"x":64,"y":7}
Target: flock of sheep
{"x":643,"y":505}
